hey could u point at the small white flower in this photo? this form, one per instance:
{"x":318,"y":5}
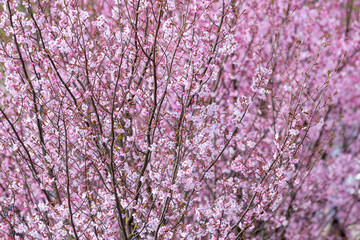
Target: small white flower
{"x":250,"y":144}
{"x":152,"y":147}
{"x":320,"y":124}
{"x":294,"y":132}
{"x":42,"y":207}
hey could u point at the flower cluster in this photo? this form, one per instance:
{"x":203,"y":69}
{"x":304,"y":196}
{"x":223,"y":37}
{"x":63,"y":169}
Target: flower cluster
{"x":179,"y":119}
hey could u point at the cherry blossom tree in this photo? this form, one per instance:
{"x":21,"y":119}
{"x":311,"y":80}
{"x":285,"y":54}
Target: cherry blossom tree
{"x":164,"y":119}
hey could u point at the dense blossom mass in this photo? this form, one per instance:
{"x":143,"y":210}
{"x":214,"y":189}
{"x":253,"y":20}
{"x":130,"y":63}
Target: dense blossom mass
{"x":180,"y":119}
